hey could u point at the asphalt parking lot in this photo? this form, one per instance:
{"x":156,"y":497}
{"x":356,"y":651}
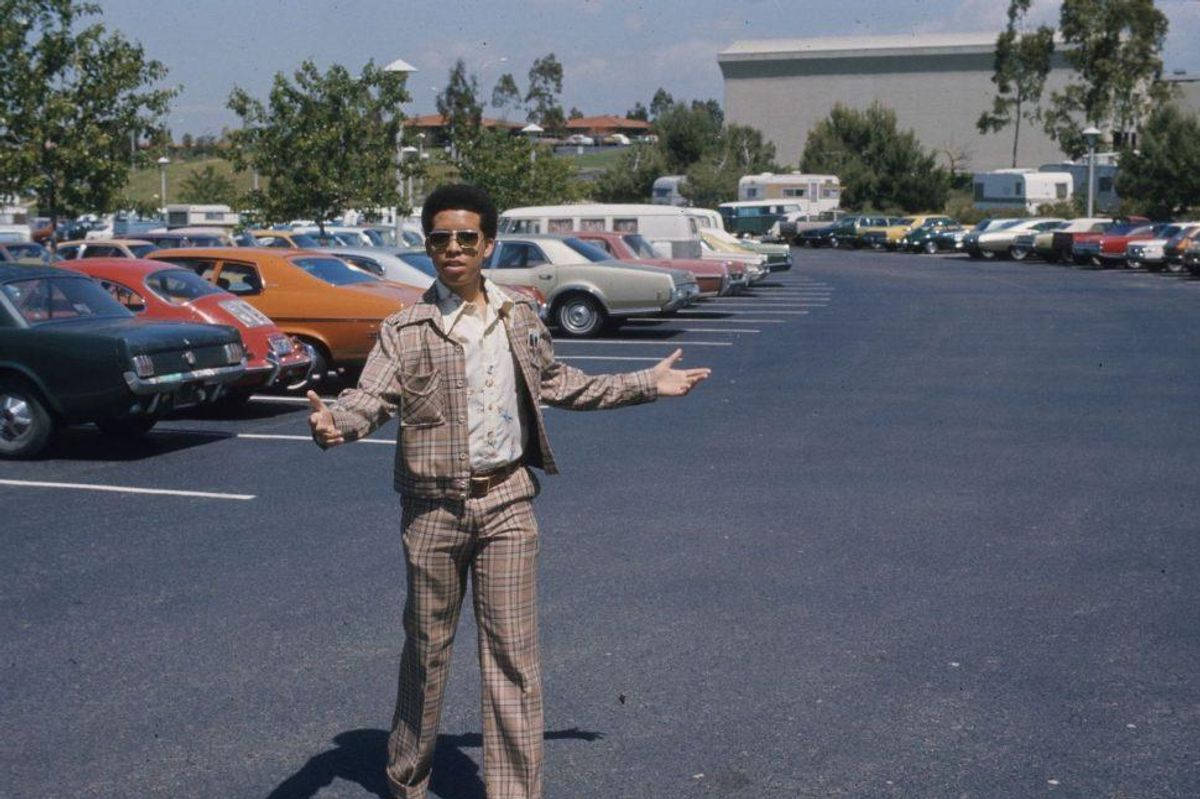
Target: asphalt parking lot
{"x":929,"y":530}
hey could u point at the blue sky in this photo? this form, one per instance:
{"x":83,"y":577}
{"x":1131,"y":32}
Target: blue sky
{"x":614,"y":52}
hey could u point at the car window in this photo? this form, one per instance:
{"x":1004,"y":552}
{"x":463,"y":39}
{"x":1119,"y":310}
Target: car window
{"x":364,"y":263}
{"x":591,"y":224}
{"x":124,"y":295}
{"x":639,"y":245}
{"x":141,"y":250}
{"x":587,"y":250}
{"x":420,"y":260}
{"x":240,"y":279}
{"x":69,"y":253}
{"x":102,"y":251}
{"x":600,"y":244}
{"x":204,"y":267}
{"x":179,"y":285}
{"x":44,"y":300}
{"x":333,"y":271}
{"x":510,"y":255}
{"x":559,"y":225}
{"x":26,"y":250}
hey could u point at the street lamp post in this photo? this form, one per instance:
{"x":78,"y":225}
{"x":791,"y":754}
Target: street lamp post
{"x":405,"y":154}
{"x":532,"y":130}
{"x":401,"y":66}
{"x":162,"y":175}
{"x":1091,"y":134}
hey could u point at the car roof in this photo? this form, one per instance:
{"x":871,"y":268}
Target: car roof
{"x":233,"y":253}
{"x":143,"y":266}
{"x":10,"y":271}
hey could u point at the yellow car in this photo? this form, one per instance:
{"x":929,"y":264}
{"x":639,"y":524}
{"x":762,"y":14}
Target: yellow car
{"x":879,"y":237}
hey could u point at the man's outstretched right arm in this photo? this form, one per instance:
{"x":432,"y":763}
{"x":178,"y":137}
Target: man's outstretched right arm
{"x":361,"y":410}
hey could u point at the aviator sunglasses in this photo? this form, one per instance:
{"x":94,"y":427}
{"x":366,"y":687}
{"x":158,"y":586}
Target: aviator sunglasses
{"x":467,"y":240}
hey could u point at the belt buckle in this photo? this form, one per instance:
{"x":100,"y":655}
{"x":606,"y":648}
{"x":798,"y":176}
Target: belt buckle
{"x":480,"y":486}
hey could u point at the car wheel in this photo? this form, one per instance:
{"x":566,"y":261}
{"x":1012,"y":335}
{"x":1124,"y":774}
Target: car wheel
{"x":1018,"y":253}
{"x":1133,"y":263}
{"x":834,"y":243}
{"x":1175,"y":267}
{"x":25,"y":424}
{"x":130,"y":427}
{"x":318,"y":369}
{"x":931,"y":247}
{"x":876,"y":244}
{"x":579,"y":316}
{"x":987,"y":255}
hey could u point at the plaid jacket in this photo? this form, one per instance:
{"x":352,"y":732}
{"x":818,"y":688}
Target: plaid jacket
{"x":417,"y":371}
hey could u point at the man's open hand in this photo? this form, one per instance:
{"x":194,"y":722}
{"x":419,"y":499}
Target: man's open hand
{"x":321,"y":422}
{"x":673,"y":382}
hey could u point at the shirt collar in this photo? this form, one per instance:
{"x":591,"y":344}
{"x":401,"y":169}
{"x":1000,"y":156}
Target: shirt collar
{"x":452,"y":306}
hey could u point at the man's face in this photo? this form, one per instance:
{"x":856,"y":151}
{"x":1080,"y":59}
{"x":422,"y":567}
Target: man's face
{"x":458,"y":266}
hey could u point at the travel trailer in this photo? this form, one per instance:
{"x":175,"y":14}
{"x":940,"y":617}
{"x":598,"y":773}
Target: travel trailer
{"x":1015,"y":188}
{"x":665,"y":190}
{"x":219,"y":216}
{"x":815,"y":193}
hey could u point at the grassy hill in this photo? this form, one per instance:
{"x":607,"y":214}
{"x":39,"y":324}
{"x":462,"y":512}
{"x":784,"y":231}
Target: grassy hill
{"x":144,"y":183}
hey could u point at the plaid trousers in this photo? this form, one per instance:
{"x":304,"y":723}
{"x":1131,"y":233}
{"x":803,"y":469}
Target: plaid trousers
{"x":494,"y":538}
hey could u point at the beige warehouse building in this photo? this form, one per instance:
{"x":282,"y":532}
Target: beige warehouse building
{"x":938,"y":85}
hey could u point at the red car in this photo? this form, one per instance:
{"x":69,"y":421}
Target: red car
{"x":1113,"y":243}
{"x":1083,"y":246}
{"x":715,"y":278}
{"x":155,"y":290}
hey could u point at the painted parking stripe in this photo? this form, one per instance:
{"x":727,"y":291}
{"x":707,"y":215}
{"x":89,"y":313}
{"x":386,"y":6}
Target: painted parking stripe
{"x":770,"y":312}
{"x":772,"y":306}
{"x":717,"y":330}
{"x":665,"y":323}
{"x":664,"y":343}
{"x":126,"y":489}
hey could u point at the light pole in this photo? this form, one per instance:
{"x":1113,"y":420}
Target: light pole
{"x":405,"y":154}
{"x":532,"y":130}
{"x":421,"y":161}
{"x":1092,"y":134}
{"x":406,"y":69}
{"x":162,"y":175}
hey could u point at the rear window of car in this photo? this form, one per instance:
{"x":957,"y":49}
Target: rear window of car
{"x":25,"y":250}
{"x":639,"y":245}
{"x":589,"y":251}
{"x":141,"y":250}
{"x":420,"y":260}
{"x":179,"y":285}
{"x":333,"y":271}
{"x":54,"y":299}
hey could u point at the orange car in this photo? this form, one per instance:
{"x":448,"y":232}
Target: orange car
{"x":313,"y":296}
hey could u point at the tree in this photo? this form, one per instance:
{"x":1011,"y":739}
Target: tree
{"x":72,"y":95}
{"x":206,"y":186}
{"x":1162,"y":177}
{"x":631,"y":177}
{"x":574,"y":113}
{"x":459,"y":102}
{"x":879,"y":166}
{"x":1022,"y":62}
{"x":638,"y":112}
{"x":685,"y":135}
{"x":660,"y":103}
{"x":506,"y":95}
{"x":323,"y":141}
{"x":739,"y":151}
{"x":187,"y":142}
{"x":712,"y":108}
{"x":511,"y":172}
{"x":1115,"y":47}
{"x":545,"y":85}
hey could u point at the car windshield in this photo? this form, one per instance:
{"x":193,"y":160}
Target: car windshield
{"x":589,"y":251}
{"x":1124,"y":228}
{"x":375,"y":236}
{"x":54,"y":299}
{"x":420,"y":260}
{"x":304,"y":240}
{"x":26,"y":249}
{"x":333,"y":271}
{"x":639,"y":245}
{"x":179,"y":285}
{"x":141,"y":250}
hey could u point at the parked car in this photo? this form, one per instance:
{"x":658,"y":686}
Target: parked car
{"x":787,"y":229}
{"x":1191,"y":257}
{"x":1109,"y":249}
{"x":154,"y":290}
{"x":713,"y":277}
{"x":1076,"y":245}
{"x":385,"y":264}
{"x":1151,"y":254}
{"x":753,"y":264}
{"x":105,"y":248}
{"x":1177,"y":245}
{"x":889,"y":236}
{"x":841,"y":233}
{"x":925,"y":238}
{"x":319,"y":299}
{"x":23,"y":251}
{"x":1000,"y":241}
{"x":585,"y":289}
{"x":1040,"y":244}
{"x":779,"y":256}
{"x":70,"y":353}
{"x":285,"y":239}
{"x":579,"y":138}
{"x":619,"y":139}
{"x":174,"y":238}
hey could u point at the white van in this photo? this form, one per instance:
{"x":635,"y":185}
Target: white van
{"x":668,"y":229}
{"x":1015,"y":188}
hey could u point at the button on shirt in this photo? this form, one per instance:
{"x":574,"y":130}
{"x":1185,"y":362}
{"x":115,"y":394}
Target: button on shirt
{"x":495,"y":430}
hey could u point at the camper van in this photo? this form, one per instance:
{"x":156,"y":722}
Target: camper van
{"x":1015,"y":188}
{"x":668,"y":229}
{"x":665,"y":190}
{"x":815,"y":193}
{"x":1106,"y":197}
{"x":219,"y":216}
{"x":755,"y":217}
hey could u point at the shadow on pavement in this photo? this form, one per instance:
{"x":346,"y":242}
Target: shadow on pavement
{"x":360,"y":756}
{"x":86,"y":443}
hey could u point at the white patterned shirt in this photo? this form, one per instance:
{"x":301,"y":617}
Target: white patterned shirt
{"x":495,"y":428}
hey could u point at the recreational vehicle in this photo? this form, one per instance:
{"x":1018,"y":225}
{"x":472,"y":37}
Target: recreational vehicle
{"x":668,"y":229}
{"x":815,"y":193}
{"x":1016,"y":188}
{"x":665,"y":190}
{"x":220,"y":216}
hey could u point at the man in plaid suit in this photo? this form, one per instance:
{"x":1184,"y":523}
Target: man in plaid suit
{"x":466,"y":369}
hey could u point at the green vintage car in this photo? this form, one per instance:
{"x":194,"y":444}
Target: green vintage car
{"x":70,"y":353}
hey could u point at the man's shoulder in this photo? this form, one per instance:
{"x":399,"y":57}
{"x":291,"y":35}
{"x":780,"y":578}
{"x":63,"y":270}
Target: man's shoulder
{"x":422,"y":311}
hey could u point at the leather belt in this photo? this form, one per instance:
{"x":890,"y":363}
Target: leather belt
{"x":481,"y":484}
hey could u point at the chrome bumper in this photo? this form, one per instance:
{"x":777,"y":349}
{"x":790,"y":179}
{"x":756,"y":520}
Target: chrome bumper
{"x":165,"y":383}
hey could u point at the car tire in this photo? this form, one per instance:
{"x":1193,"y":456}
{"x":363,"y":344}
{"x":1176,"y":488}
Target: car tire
{"x":1133,"y":263}
{"x":130,"y":427}
{"x":931,"y":247}
{"x":987,"y":255}
{"x":834,"y":243}
{"x":876,"y":244}
{"x":1175,"y":267}
{"x":25,"y":424}
{"x":1018,"y":253}
{"x":579,"y":316}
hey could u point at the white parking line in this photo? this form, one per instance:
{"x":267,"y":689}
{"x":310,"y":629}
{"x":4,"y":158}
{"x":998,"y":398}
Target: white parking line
{"x":734,"y":321}
{"x":717,"y":330}
{"x":126,"y":489}
{"x":772,"y":312}
{"x":665,"y":343}
{"x":606,"y":358}
{"x":776,"y":304}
